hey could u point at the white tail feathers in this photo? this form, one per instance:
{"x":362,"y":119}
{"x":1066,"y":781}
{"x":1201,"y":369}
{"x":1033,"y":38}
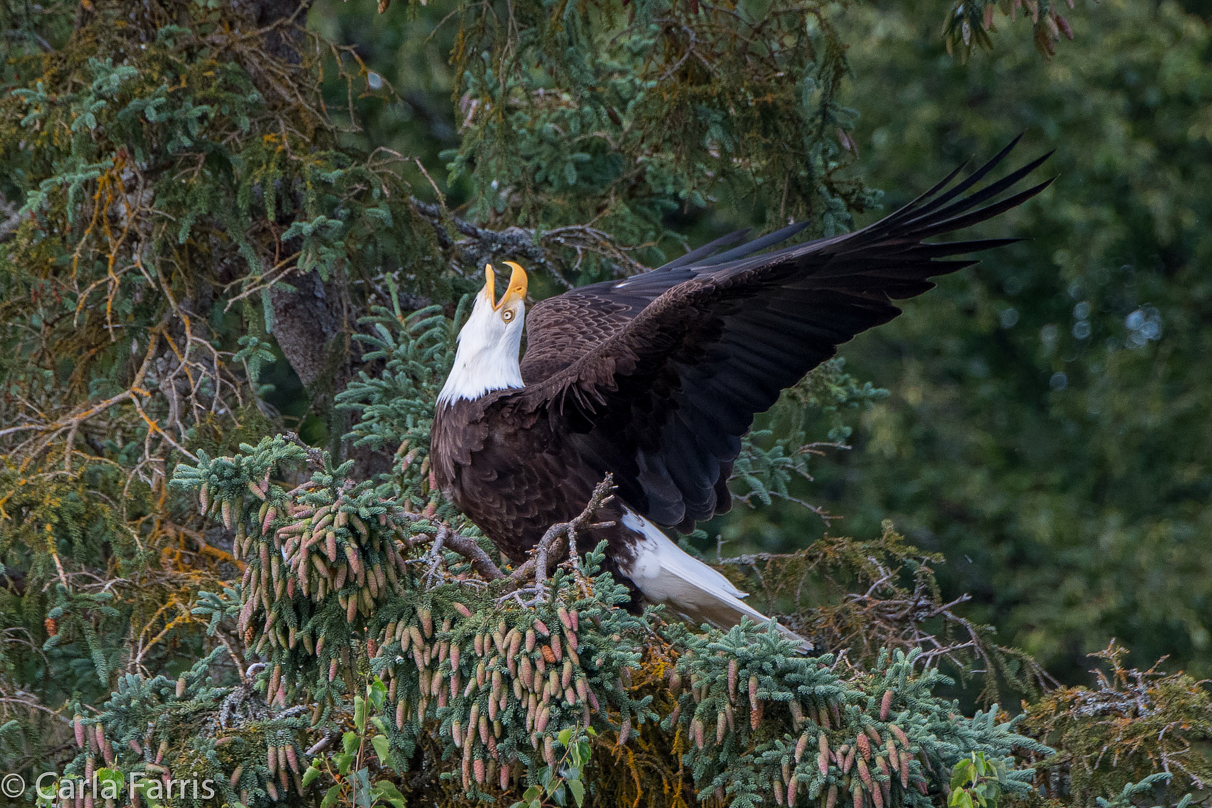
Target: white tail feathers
{"x":666,"y":574}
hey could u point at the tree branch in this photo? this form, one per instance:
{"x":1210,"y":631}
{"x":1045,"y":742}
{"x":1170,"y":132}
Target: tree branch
{"x":558,"y":539}
{"x":534,"y":247}
{"x":470,"y":549}
{"x":465,"y":546}
{"x":553,"y":542}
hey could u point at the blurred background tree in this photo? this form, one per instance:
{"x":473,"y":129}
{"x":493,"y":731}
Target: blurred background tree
{"x":1048,"y":421}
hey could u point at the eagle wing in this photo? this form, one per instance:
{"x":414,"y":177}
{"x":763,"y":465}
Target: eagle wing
{"x":562,"y":329}
{"x":678,"y":361}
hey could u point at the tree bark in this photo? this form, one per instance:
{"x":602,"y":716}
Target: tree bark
{"x":305,"y":323}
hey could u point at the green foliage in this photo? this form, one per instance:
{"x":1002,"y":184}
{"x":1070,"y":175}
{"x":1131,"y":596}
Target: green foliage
{"x":211,"y":599}
{"x":563,"y":778}
{"x":395,"y":406}
{"x":976,"y":781}
{"x":1136,"y":735}
{"x":491,"y":695}
{"x":159,"y":176}
{"x":1134,"y":794}
{"x":348,"y":768}
{"x":1048,"y":418}
{"x":613,"y":114}
{"x":755,"y":708}
{"x":863,"y":598}
{"x":216,"y":739}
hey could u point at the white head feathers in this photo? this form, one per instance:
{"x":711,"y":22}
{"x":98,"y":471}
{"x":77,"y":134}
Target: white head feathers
{"x":489,"y":342}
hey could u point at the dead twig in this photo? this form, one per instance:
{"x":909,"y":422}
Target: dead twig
{"x":449,"y":538}
{"x":314,"y":456}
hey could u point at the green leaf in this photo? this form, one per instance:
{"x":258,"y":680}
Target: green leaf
{"x":330,"y":799}
{"x":361,"y":788}
{"x":960,"y":798}
{"x":565,"y":736}
{"x":382,"y":747}
{"x":378,"y":693}
{"x":344,"y":762}
{"x":360,"y":714}
{"x":110,"y":776}
{"x":310,"y":776}
{"x":578,"y":791}
{"x":386,"y":790}
{"x":532,"y":793}
{"x":961,"y":773}
{"x":142,"y":787}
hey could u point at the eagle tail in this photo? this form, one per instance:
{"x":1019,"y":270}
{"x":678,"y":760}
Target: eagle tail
{"x":666,"y":574}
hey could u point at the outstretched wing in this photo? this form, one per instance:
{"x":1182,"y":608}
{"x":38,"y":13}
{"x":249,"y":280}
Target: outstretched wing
{"x":562,"y":329}
{"x":667,"y":387}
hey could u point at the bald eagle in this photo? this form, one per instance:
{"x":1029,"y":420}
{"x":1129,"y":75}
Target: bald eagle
{"x":656,"y":378}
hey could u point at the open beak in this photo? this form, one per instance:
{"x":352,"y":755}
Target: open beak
{"x":515,"y":291}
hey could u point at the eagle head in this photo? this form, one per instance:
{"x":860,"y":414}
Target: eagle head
{"x":487,"y":358}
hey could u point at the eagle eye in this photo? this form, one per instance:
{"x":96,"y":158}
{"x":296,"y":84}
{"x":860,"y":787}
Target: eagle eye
{"x":507,"y":315}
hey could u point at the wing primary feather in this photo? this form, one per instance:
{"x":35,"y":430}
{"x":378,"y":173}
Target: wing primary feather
{"x":757,"y":245}
{"x":923,"y":198}
{"x":973,"y":178}
{"x":981,"y":196}
{"x":982,"y":214}
{"x":949,"y":248}
{"x":706,"y":250}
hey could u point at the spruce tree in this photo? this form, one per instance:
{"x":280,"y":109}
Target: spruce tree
{"x":203,"y":259}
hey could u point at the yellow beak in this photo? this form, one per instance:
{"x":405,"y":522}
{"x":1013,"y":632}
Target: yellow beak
{"x":515,"y":291}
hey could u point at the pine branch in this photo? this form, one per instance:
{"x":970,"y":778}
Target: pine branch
{"x":315,"y":457}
